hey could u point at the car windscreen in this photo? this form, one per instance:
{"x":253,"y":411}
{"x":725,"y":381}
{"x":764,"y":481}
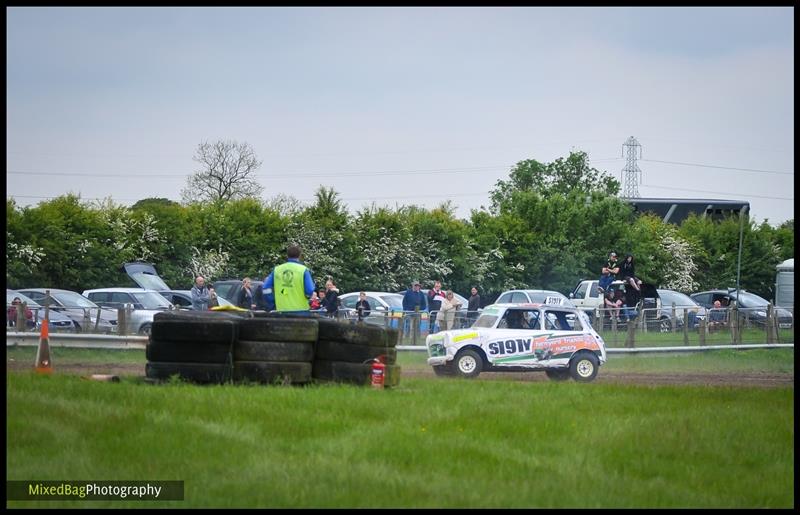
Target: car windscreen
{"x":750,"y":300}
{"x":150,"y":300}
{"x":485,"y":320}
{"x":24,"y":298}
{"x":394,"y":301}
{"x":673,"y":297}
{"x":73,"y":300}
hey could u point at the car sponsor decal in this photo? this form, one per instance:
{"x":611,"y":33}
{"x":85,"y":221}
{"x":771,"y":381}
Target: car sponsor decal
{"x":544,"y":347}
{"x":466,"y":336}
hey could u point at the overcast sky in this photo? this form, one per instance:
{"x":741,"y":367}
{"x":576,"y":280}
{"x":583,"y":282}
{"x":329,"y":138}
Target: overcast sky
{"x":401,"y":105}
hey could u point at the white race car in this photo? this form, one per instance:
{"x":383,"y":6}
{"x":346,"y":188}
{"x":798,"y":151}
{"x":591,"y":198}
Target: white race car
{"x":521,"y":337}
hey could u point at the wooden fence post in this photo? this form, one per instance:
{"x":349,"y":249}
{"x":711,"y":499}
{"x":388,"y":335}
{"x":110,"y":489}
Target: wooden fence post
{"x":685,"y":325}
{"x":702,"y":331}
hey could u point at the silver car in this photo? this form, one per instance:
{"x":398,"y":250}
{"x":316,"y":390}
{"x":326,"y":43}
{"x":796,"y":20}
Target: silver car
{"x":145,"y":303}
{"x":85,"y":314}
{"x":56,"y":322}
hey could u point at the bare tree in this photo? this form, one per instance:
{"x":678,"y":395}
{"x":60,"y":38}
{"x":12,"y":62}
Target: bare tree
{"x":227,"y":173}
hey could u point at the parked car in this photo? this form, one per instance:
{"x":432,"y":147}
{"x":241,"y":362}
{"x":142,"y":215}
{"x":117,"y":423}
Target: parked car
{"x":229,"y":289}
{"x":146,"y":303}
{"x":512,"y":337}
{"x":85,"y":314}
{"x":182,"y":299}
{"x":384,"y":304}
{"x":56,"y":321}
{"x":754,"y":306}
{"x":534,"y":297}
{"x":587,"y":296}
{"x":683,"y":304}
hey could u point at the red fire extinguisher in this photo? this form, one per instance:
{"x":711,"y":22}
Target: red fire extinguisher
{"x":378,"y":372}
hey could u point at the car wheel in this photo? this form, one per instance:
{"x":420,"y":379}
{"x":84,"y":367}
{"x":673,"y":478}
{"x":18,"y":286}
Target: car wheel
{"x":583,"y":367}
{"x":468,"y":363}
{"x":557,"y":374}
{"x":664,"y":325}
{"x":146,"y":329}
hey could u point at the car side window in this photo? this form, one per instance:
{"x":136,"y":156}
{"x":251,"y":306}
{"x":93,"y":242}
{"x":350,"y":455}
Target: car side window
{"x":595,"y":290}
{"x":99,"y":298}
{"x":180,"y":301}
{"x":558,"y":321}
{"x":374,"y":303}
{"x":519,"y":298}
{"x":504,"y":298}
{"x":350,"y":302}
{"x":37,"y":296}
{"x":580,"y":291}
{"x":703,"y":299}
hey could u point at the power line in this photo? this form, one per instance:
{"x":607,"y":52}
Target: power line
{"x":715,"y":192}
{"x":720,"y":167}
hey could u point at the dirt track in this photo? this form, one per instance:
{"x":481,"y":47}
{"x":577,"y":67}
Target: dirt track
{"x":750,"y":379}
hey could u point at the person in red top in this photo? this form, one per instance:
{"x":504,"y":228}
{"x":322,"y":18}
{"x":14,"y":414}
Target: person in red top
{"x":12,"y":312}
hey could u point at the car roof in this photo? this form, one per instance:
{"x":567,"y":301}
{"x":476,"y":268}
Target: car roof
{"x":373,"y":293}
{"x":531,"y":305}
{"x":42,"y":290}
{"x":120,"y":289}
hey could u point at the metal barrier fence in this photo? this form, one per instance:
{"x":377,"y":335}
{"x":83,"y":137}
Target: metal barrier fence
{"x":731,"y":325}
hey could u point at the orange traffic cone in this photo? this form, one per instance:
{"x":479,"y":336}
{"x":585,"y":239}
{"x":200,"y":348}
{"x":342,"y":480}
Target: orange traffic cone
{"x":43,"y":363}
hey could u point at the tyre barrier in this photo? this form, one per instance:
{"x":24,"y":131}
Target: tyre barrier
{"x":353,"y":352}
{"x":355,"y":373}
{"x":267,"y":348}
{"x":278,"y":372}
{"x":203,"y":373}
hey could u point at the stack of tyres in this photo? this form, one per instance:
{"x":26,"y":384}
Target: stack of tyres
{"x":195,"y":346}
{"x":345,"y":352}
{"x":275,"y":350}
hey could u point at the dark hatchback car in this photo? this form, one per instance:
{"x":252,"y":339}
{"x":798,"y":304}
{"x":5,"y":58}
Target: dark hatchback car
{"x":751,"y":304}
{"x":229,"y":289}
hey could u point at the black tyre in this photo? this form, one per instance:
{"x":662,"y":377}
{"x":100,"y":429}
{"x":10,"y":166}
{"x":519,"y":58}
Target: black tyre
{"x":272,"y":372}
{"x":195,"y":330}
{"x":246,"y":350}
{"x":146,"y":329}
{"x":583,"y":367}
{"x":279,"y":329}
{"x":190,"y":315}
{"x":355,"y":373}
{"x":468,"y":363}
{"x":359,"y":334}
{"x":192,"y":372}
{"x":188,"y":352}
{"x":558,"y":374}
{"x":664,"y":325}
{"x":353,"y":353}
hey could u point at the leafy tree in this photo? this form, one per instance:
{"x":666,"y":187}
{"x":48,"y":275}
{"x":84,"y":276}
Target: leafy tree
{"x":227,"y":172}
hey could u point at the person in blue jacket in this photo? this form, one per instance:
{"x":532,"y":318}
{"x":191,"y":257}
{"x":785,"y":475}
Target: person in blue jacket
{"x":413,"y":301}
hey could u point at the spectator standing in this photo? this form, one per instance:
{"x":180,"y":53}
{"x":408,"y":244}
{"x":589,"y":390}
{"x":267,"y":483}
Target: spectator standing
{"x":12,"y":312}
{"x":314,"y":304}
{"x":609,"y":271}
{"x":414,"y":301}
{"x":258,"y":297}
{"x":246,"y":297}
{"x":448,"y":309}
{"x":473,"y":305}
{"x":628,"y":271}
{"x":362,"y":306}
{"x":331,"y":302}
{"x":435,"y":298}
{"x":200,"y":294}
{"x":213,"y":301}
{"x":289,"y":285}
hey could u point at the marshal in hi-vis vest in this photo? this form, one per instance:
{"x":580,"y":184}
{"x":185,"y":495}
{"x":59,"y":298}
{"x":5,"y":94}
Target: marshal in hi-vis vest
{"x":289,"y":287}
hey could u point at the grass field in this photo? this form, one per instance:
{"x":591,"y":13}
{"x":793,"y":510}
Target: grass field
{"x":428,"y":443}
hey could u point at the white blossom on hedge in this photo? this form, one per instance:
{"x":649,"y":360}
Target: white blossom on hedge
{"x":208,"y":263}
